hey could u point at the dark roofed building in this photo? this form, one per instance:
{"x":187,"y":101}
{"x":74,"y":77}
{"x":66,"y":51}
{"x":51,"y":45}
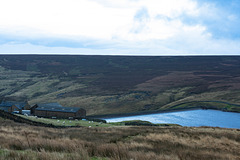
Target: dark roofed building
{"x":6,"y":109}
{"x":50,"y":105}
{"x":56,"y":110}
{"x":11,"y":106}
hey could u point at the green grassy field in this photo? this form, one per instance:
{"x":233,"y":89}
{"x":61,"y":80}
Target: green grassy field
{"x":90,"y":123}
{"x":67,"y":122}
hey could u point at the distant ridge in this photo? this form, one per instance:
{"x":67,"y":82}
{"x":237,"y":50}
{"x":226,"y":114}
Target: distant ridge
{"x":121,"y":84}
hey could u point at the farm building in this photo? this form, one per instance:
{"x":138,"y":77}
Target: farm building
{"x":11,"y":106}
{"x":51,"y":110}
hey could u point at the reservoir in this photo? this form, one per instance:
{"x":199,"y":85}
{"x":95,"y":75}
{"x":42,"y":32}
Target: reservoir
{"x":190,"y":118}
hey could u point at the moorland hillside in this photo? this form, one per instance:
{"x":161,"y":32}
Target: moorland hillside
{"x":123,"y":84}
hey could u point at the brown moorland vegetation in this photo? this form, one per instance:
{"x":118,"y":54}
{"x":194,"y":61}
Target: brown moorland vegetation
{"x":21,"y":141}
{"x":122,"y":84}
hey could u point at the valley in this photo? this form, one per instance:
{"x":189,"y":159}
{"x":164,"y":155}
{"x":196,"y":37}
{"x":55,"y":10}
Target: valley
{"x":123,"y":84}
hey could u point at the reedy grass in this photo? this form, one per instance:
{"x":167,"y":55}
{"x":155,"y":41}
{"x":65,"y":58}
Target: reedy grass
{"x":125,"y":142}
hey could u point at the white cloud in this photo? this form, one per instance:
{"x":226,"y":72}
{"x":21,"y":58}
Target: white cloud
{"x":95,"y":19}
{"x":63,"y":17}
{"x":125,"y":26}
{"x":170,"y":8}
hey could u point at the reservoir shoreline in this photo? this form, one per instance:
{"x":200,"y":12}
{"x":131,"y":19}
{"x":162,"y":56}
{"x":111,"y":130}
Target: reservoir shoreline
{"x":171,"y":109}
{"x":188,"y":118}
{"x":106,"y":116}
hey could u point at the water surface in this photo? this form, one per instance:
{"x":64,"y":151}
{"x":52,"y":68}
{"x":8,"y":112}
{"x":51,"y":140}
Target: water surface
{"x":196,"y":118}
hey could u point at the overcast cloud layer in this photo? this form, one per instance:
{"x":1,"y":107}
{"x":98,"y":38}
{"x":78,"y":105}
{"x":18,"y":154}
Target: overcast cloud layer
{"x":124,"y":27}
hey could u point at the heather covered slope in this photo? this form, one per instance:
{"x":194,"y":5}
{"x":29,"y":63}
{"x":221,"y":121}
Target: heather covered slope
{"x":119,"y":84}
{"x":21,"y":141}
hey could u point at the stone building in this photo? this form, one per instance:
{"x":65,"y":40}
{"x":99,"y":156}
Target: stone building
{"x":55,"y":110}
{"x":12,"y":106}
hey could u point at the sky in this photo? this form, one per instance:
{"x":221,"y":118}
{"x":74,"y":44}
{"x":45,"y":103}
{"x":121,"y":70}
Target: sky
{"x":120,"y":27}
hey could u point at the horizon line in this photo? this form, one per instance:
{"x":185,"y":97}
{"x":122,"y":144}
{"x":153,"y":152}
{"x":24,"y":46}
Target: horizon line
{"x":133,"y":55}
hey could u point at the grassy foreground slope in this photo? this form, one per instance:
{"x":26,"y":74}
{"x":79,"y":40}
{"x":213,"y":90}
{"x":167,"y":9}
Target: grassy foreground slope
{"x":21,"y":141}
{"x":118,"y":84}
